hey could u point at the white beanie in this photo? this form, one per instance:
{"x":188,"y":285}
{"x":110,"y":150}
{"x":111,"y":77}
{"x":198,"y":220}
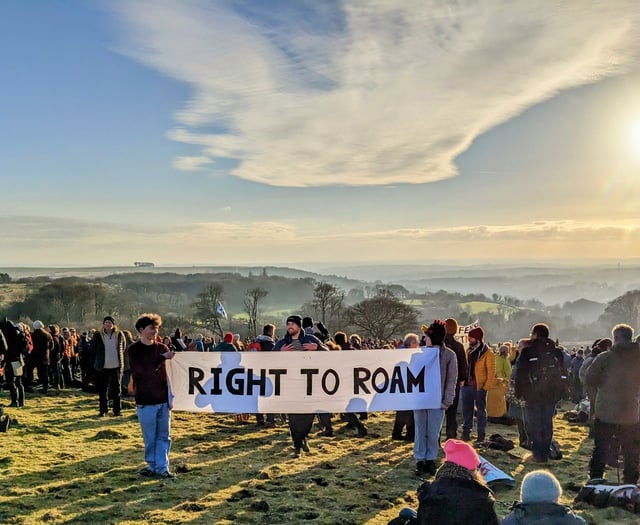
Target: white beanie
{"x":540,"y":486}
{"x":37,"y":325}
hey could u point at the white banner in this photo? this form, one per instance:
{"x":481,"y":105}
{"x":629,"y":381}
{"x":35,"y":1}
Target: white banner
{"x":305,"y":382}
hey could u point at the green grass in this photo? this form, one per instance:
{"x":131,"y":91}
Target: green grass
{"x":10,"y":293}
{"x":476,"y":307}
{"x":61,"y":464}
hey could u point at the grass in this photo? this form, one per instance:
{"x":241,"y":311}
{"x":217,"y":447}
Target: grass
{"x":13,"y":292}
{"x":61,"y":464}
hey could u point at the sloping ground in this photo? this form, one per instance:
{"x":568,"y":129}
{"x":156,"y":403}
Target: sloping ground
{"x":61,"y":464}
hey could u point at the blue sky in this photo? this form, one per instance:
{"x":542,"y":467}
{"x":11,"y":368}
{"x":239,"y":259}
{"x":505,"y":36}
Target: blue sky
{"x":201,"y":132}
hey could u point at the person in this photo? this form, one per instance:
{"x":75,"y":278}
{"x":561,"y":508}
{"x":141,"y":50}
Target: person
{"x":428,"y":422}
{"x":539,"y":496}
{"x":616,"y":375}
{"x":147,"y":359}
{"x":458,"y":495}
{"x":496,"y":396}
{"x":296,"y":340}
{"x":107,"y":348}
{"x":599,"y":346}
{"x":451,"y":414}
{"x":39,"y":357}
{"x":226,"y":345}
{"x":540,"y":381}
{"x":515,"y":412}
{"x":13,"y":348}
{"x":574,"y":373}
{"x":264,"y":343}
{"x":404,"y":418}
{"x":480,"y":378}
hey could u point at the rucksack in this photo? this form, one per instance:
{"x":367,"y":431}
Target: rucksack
{"x":600,"y":494}
{"x":16,"y":339}
{"x":547,"y":375}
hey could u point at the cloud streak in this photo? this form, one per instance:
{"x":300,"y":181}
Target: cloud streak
{"x":366,"y":93}
{"x":59,"y":241}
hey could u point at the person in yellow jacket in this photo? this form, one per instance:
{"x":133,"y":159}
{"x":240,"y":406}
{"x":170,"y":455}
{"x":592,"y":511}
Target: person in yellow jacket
{"x":481,"y":377}
{"x":496,"y":398}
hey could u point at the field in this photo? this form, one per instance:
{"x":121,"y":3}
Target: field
{"x":61,"y":464}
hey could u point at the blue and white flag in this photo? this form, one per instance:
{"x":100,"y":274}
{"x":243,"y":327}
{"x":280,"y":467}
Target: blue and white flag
{"x":221,"y":311}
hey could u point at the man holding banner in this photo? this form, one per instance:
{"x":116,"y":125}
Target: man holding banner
{"x":296,"y":340}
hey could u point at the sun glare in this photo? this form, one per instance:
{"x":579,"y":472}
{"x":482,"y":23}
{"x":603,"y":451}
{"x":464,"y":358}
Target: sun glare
{"x":634,"y":137}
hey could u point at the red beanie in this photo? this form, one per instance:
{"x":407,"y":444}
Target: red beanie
{"x":477,"y":333}
{"x":461,"y":453}
{"x":228,"y":337}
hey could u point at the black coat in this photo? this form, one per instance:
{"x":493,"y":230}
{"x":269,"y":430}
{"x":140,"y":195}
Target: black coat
{"x":456,"y":501}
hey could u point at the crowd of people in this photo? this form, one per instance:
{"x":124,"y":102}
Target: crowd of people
{"x":514,"y":383}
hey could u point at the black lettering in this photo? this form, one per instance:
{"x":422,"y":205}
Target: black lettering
{"x":397,"y":384}
{"x":277,"y":372}
{"x":336,"y":381}
{"x":374,"y":380}
{"x":215,"y":389}
{"x":359,"y":380}
{"x":261,"y":381}
{"x":309,"y":372}
{"x":415,"y":380}
{"x":195,"y":376}
{"x":235,"y":388}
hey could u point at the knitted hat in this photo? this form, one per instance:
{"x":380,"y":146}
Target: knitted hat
{"x":295,"y":319}
{"x":540,"y":486}
{"x":109,"y":318}
{"x":307,"y":322}
{"x":228,"y":337}
{"x":476,"y":333}
{"x":451,"y":325}
{"x":436,"y":332}
{"x":461,"y":453}
{"x":37,"y":325}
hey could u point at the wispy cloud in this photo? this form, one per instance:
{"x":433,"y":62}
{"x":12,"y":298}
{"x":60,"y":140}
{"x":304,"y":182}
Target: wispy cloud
{"x":55,"y":241}
{"x":191,"y":163}
{"x":367,"y":93}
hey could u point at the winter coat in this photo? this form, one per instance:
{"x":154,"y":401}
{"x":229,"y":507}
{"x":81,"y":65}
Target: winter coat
{"x":304,"y":338}
{"x":42,"y":346}
{"x":448,"y":375}
{"x":97,"y":348}
{"x":456,"y":497}
{"x":496,"y":396}
{"x":616,"y":375}
{"x":547,"y":387}
{"x":461,"y":355}
{"x":223,"y":346}
{"x":545,"y":513}
{"x":485,"y":367}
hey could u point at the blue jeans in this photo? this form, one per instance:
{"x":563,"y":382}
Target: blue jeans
{"x":538,"y":417}
{"x":426,"y":442}
{"x":155,"y":422}
{"x":474,"y":399}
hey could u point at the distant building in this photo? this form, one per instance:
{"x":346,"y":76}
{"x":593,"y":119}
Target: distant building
{"x":144,"y":264}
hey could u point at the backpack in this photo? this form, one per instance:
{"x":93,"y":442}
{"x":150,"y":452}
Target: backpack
{"x":547,"y":375}
{"x":600,"y":494}
{"x":16,"y":338}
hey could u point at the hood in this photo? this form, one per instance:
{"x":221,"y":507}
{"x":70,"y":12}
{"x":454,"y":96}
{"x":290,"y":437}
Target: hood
{"x":264,"y":338}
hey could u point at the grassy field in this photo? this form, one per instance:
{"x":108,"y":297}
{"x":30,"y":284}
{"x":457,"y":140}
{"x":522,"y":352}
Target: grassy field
{"x":61,"y":464}
{"x":13,"y":292}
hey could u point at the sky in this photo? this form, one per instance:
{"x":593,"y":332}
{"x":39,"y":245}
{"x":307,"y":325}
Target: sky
{"x":299,"y":132}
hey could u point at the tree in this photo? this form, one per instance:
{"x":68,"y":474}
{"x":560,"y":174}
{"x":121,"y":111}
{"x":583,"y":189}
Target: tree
{"x":623,"y":309}
{"x":5,"y":278}
{"x":206,"y":303}
{"x":251,"y":301}
{"x":327,"y":301}
{"x":383,"y":316}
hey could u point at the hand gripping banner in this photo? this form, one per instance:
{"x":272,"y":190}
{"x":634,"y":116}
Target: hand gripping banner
{"x":305,"y":382}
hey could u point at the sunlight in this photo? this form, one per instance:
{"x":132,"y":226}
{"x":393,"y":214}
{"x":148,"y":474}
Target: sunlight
{"x":634,"y":137}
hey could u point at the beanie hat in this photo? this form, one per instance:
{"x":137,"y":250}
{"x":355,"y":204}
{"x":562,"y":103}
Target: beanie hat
{"x":540,"y":486}
{"x":228,"y":337}
{"x":461,"y":453}
{"x":109,"y":318}
{"x":477,"y":333}
{"x":37,"y":325}
{"x":307,"y":322}
{"x":424,"y":328}
{"x":295,"y":319}
{"x":436,"y":332}
{"x":451,"y":325}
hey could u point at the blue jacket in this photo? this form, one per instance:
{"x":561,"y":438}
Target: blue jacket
{"x":304,"y":338}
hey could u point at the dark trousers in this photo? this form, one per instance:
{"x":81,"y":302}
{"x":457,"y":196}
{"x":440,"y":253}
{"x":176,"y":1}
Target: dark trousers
{"x":539,"y":423}
{"x":325,"y":421}
{"x":14,"y":383}
{"x":109,"y":382}
{"x":473,"y":399}
{"x":627,"y":437}
{"x":300,"y":425}
{"x":451,"y":416}
{"x":43,"y":375}
{"x":404,"y":418}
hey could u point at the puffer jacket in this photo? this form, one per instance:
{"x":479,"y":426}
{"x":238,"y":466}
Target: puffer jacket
{"x":485,"y":367}
{"x":544,"y":513}
{"x":616,"y":375}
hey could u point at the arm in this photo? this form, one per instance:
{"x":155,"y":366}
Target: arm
{"x":449,"y":391}
{"x":490,"y":363}
{"x":594,"y":374}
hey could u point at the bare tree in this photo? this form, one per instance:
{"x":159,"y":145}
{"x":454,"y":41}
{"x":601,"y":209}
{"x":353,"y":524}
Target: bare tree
{"x":383,"y":316}
{"x":251,"y":302}
{"x":327,"y":302}
{"x":206,"y":303}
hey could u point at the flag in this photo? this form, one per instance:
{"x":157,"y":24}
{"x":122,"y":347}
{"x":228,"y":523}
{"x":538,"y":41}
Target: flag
{"x":221,"y":311}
